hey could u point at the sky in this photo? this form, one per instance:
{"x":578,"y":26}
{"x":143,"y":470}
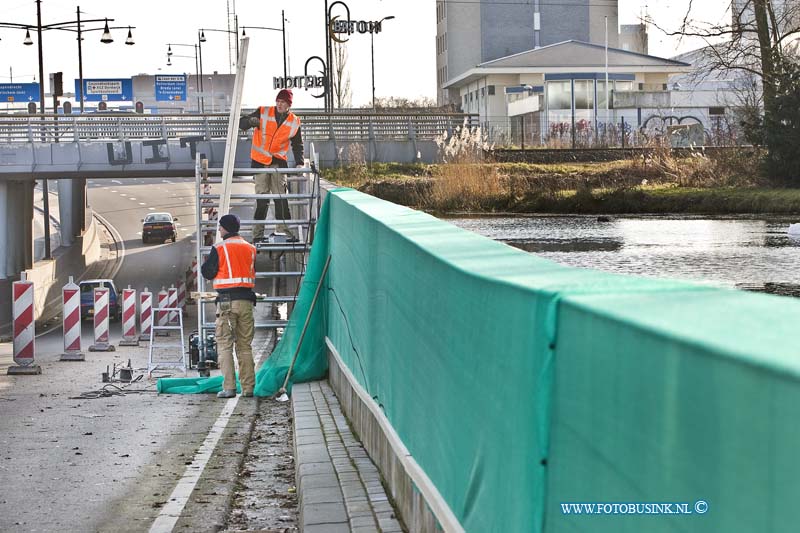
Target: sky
{"x":405,"y":62}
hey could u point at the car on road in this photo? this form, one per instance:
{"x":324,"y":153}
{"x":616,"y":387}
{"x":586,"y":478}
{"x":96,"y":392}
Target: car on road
{"x":87,"y":298}
{"x":159,"y":227}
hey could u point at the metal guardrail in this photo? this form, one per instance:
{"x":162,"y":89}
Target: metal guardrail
{"x":129,"y":126}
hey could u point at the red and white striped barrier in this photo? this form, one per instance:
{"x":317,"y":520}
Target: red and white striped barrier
{"x":101,"y":310}
{"x":71,"y":322}
{"x":172,"y":301}
{"x":145,"y":314}
{"x":129,"y":336}
{"x":191,"y":281}
{"x":162,"y":316}
{"x":24,"y":328}
{"x":182,"y":296}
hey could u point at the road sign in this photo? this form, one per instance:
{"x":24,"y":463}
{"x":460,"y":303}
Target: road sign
{"x":170,"y":88}
{"x":19,"y":92}
{"x":106,"y":90}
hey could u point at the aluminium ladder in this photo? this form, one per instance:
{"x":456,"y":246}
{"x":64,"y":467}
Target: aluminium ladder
{"x":180,"y":362}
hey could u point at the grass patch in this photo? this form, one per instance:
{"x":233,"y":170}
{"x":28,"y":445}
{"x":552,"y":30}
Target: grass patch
{"x":729,"y":183}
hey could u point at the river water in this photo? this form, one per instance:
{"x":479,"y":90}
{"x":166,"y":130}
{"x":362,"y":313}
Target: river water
{"x":754,"y":253}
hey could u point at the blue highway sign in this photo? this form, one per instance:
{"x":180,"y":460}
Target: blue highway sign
{"x":19,"y":92}
{"x":170,"y":88}
{"x":106,"y":90}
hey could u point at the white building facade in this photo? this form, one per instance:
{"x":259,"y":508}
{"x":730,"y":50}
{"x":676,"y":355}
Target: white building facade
{"x":471,"y":33}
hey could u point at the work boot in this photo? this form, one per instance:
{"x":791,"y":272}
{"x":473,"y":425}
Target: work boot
{"x":226,"y":394}
{"x":247,"y":394}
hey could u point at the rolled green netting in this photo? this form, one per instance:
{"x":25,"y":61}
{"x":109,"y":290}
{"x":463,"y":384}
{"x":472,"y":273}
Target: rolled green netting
{"x":312,"y":362}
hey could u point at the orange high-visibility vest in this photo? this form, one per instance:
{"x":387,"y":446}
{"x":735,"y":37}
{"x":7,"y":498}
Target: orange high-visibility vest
{"x":237,"y":264}
{"x":269,"y":140}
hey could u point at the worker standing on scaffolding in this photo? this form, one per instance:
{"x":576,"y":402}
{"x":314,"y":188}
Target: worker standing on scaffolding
{"x":232,"y":266}
{"x":276,"y":127}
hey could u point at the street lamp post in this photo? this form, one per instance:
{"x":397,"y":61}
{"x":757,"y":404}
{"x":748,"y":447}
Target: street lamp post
{"x":372,"y":54}
{"x":234,"y":32}
{"x":67,"y":26}
{"x":198,"y":66}
{"x":282,"y":29}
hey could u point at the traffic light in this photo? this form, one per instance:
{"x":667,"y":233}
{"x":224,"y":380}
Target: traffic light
{"x":57,"y":84}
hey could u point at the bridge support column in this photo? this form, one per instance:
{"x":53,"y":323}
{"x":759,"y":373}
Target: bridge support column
{"x":66,"y":213}
{"x":79,"y":200}
{"x":17,"y":217}
{"x":4,"y":229}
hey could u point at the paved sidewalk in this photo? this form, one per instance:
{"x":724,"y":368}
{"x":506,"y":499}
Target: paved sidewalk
{"x":338,"y":485}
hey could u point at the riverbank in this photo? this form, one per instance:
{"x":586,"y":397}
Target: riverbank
{"x":695,"y":184}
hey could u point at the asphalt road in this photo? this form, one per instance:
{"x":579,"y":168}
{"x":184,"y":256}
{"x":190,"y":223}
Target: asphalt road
{"x":105,"y":464}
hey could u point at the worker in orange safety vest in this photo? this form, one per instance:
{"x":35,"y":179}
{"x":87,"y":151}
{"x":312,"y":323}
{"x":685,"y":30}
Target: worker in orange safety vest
{"x":231,"y":265}
{"x":276,"y":128}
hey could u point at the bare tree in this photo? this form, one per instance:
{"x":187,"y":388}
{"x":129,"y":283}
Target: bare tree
{"x":342,"y":91}
{"x":760,"y":43}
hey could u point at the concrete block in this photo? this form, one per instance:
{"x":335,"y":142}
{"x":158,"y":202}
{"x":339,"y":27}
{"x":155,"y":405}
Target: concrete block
{"x":342,"y":527}
{"x":306,"y":422}
{"x":324,"y":513}
{"x":311,"y":469}
{"x":363,"y":521}
{"x":313,"y":481}
{"x":317,"y":495}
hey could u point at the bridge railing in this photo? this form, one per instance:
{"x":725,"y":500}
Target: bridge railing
{"x":348,"y":126}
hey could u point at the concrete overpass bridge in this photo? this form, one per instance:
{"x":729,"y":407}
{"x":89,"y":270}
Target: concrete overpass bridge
{"x":74,"y":148}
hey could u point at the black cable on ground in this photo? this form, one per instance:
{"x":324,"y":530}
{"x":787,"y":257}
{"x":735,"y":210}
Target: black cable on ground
{"x":111,"y":390}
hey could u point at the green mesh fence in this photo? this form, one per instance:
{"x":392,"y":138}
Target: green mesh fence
{"x":519,"y":385}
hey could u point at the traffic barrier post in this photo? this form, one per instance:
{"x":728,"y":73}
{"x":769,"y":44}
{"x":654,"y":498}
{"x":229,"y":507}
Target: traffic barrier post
{"x":182,"y":296}
{"x":101,"y":312}
{"x":172,"y":302}
{"x":24,"y":328}
{"x":161,"y":316}
{"x":71,"y":322}
{"x":145,"y":314}
{"x":129,"y":336}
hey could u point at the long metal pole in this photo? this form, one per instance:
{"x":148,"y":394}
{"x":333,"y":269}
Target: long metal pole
{"x":41,"y":60}
{"x":45,"y":197}
{"x":283,"y":33}
{"x":372,"y":54}
{"x":236,"y":35}
{"x":202,"y":98}
{"x":329,"y":66}
{"x":80,"y":57}
{"x":197,"y":77}
{"x":606,"y":21}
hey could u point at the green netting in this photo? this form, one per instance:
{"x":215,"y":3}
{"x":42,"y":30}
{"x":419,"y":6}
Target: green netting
{"x":312,"y":362}
{"x":518,"y":384}
{"x":677,"y":398}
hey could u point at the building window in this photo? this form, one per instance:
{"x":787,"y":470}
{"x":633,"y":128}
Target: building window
{"x":559,"y":101}
{"x":716,"y":111}
{"x":559,"y":95}
{"x":491,"y":90}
